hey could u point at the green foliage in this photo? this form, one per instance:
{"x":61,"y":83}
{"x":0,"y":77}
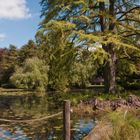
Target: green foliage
{"x":33,"y":75}
{"x":129,"y":70}
{"x":126,"y":126}
{"x":113,"y":24}
{"x":7,"y":64}
{"x":86,"y":16}
{"x":127,"y":67}
{"x":58,"y":52}
{"x":80,"y":74}
{"x":27,"y":51}
{"x":83,"y":68}
{"x":69,"y":64}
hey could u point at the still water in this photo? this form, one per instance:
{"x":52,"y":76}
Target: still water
{"x":30,"y":107}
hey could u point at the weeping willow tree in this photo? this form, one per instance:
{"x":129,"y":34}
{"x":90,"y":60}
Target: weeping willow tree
{"x":114,"y":24}
{"x":32,"y":75}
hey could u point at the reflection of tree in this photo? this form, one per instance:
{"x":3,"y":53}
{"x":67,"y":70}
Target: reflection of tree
{"x":30,"y":106}
{"x":50,"y":129}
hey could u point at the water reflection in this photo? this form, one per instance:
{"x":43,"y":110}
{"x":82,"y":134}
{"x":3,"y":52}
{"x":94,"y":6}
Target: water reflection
{"x":7,"y":134}
{"x":49,"y":131}
{"x":35,"y":107}
{"x":82,"y":127}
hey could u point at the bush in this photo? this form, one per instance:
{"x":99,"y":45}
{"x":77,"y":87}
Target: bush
{"x":33,"y":75}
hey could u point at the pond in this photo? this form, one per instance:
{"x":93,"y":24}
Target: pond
{"x":32,"y":107}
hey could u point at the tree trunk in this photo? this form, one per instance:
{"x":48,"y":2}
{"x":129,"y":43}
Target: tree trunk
{"x":110,"y":70}
{"x":110,"y":67}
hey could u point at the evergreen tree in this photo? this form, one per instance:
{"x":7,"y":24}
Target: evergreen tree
{"x":8,"y":62}
{"x":28,"y":50}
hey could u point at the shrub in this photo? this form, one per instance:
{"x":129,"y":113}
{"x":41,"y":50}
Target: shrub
{"x":33,"y":75}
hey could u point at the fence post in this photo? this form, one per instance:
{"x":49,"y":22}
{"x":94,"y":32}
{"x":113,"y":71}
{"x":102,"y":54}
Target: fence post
{"x":66,"y":119}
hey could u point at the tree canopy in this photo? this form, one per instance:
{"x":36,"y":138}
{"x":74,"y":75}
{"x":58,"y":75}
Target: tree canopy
{"x":112,"y":23}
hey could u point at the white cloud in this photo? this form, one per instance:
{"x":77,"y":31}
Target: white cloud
{"x":2,"y":36}
{"x":14,"y":9}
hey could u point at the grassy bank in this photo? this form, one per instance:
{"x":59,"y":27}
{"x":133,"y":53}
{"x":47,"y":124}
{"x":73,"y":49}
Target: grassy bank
{"x":126,"y":126}
{"x":82,"y":95}
{"x":123,"y":124}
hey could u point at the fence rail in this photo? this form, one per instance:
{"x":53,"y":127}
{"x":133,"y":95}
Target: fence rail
{"x":31,"y":120}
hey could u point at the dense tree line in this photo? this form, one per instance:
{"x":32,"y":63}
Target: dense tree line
{"x":78,"y":41}
{"x":46,"y":65}
{"x":49,"y":65}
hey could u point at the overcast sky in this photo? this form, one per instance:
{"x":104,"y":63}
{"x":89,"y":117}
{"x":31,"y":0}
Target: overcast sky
{"x":19,"y":21}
